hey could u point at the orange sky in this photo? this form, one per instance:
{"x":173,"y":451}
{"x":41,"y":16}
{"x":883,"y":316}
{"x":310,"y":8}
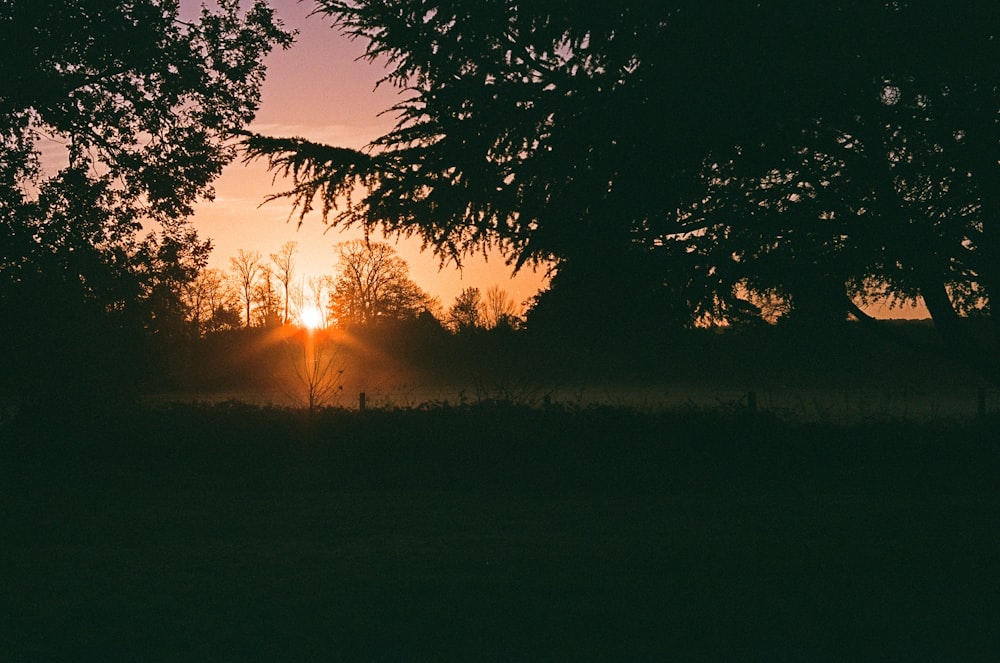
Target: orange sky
{"x":317,"y":90}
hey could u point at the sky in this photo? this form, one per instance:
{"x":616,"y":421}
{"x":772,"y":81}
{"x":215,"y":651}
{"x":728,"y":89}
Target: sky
{"x":319,"y":90}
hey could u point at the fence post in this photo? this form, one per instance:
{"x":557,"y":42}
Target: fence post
{"x":361,"y":402}
{"x":751,"y":401}
{"x":981,"y":403}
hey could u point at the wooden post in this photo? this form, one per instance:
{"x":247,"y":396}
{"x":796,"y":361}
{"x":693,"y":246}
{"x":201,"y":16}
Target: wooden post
{"x":981,"y":403}
{"x":751,"y":401}
{"x":361,"y":401}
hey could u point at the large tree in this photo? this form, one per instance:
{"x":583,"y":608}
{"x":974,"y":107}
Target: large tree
{"x":640,"y":144}
{"x":372,"y":284}
{"x":114,"y":119}
{"x":887,"y":191}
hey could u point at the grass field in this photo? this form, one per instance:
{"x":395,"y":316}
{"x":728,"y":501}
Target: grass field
{"x":496,"y":532}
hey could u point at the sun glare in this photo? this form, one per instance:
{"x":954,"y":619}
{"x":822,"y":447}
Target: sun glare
{"x":312,"y":317}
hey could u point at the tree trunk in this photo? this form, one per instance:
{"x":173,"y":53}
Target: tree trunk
{"x":962,"y":341}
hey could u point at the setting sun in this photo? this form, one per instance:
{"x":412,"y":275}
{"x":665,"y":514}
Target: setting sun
{"x":312,"y":317}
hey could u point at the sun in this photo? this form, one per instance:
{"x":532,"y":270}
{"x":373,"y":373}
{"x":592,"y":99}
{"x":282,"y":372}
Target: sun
{"x":312,"y":317}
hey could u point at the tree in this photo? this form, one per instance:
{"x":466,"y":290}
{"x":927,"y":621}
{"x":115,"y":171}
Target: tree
{"x":372,"y":283}
{"x":826,"y":150}
{"x":211,"y":302}
{"x":317,"y":368}
{"x":194,"y":295}
{"x":499,"y":310}
{"x":267,"y":299}
{"x":550,"y":132}
{"x":284,"y":265}
{"x":151,"y":98}
{"x":136,"y":110}
{"x":312,"y":295}
{"x":887,"y":192}
{"x":246,"y":269}
{"x":468,"y":311}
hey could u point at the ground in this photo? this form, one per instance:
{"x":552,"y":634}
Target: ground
{"x":496,"y":532}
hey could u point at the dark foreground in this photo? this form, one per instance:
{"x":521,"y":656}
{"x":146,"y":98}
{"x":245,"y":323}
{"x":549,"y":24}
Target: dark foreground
{"x":491,"y":532}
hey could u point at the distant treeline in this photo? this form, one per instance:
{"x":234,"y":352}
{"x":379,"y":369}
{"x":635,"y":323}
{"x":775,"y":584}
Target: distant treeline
{"x":423,"y":353}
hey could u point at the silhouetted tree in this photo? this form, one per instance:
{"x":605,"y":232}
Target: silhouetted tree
{"x":176,"y":258}
{"x":550,"y":131}
{"x":886,"y":190}
{"x":808,"y":152}
{"x":499,"y":310}
{"x":284,"y":266}
{"x":526,"y":127}
{"x":373,"y":283}
{"x":226,"y":317}
{"x":245,"y":269}
{"x":317,"y":366}
{"x":468,"y":312}
{"x":210,"y":300}
{"x":267,"y":299}
{"x":135,"y":109}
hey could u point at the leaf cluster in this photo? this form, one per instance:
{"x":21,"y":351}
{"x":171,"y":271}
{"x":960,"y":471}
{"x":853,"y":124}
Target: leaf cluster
{"x":115,"y":118}
{"x":755,"y":159}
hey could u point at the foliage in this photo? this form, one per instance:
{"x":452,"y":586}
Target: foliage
{"x":886,"y":192}
{"x":497,"y":141}
{"x":472,"y":310}
{"x":883,"y":195}
{"x":114,"y":119}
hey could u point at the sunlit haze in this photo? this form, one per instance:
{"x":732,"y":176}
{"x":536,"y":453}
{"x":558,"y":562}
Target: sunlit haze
{"x":312,"y":317}
{"x":320,"y":91}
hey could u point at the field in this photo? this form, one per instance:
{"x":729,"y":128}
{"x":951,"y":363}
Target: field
{"x":496,"y":531}
{"x":843,"y":376}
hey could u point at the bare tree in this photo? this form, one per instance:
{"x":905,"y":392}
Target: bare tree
{"x":284,"y":268}
{"x":221,"y":300}
{"x":316,"y":364}
{"x":200,"y":297}
{"x":267,"y":299}
{"x":298,"y":299}
{"x":246,"y":268}
{"x":318,"y":296}
{"x":193,"y":297}
{"x":372,"y":283}
{"x":211,"y":302}
{"x":499,"y":310}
